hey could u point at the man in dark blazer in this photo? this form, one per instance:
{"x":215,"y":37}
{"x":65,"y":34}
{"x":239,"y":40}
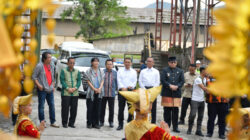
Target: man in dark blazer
{"x":172,"y":79}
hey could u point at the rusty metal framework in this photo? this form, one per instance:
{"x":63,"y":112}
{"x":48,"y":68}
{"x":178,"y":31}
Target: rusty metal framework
{"x":193,"y":28}
{"x":191,"y":17}
{"x":187,"y":28}
{"x":158,"y":24}
{"x":175,"y":23}
{"x":209,"y":20}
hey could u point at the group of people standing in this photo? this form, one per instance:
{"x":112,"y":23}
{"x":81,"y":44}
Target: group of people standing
{"x":104,"y":84}
{"x":192,"y":83}
{"x":195,"y":93}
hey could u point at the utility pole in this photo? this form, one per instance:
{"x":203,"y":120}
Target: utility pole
{"x":197,"y":28}
{"x":193,"y":31}
{"x":185,"y":27}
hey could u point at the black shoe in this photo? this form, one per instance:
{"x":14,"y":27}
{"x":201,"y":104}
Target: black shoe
{"x":96,"y":127}
{"x":222,"y":137}
{"x":101,"y":124}
{"x":119,"y":127}
{"x":176,"y":130}
{"x":181,"y":122}
{"x":65,"y":126}
{"x":209,"y":135}
{"x":199,"y":133}
{"x":188,"y":132}
{"x":111,"y":124}
{"x":72,"y":126}
{"x":89,"y":126}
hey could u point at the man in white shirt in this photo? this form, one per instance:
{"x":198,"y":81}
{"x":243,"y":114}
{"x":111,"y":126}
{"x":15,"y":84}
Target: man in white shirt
{"x":197,"y":102}
{"x":127,"y":79}
{"x":150,"y":77}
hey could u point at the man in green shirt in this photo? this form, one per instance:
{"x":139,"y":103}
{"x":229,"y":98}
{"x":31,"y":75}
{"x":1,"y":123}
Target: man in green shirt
{"x":70,"y":79}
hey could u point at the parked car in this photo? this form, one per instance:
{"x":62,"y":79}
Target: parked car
{"x":83,"y":53}
{"x":118,"y":65}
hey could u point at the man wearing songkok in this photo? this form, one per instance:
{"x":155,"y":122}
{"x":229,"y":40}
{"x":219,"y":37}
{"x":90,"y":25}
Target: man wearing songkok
{"x":172,"y":79}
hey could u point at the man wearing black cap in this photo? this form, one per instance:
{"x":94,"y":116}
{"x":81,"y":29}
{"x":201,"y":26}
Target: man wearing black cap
{"x":172,"y":79}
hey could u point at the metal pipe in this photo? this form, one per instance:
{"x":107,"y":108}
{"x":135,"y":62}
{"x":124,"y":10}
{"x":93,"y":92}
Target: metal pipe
{"x":193,"y":32}
{"x":171,"y":25}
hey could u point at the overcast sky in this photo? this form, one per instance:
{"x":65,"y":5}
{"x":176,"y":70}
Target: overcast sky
{"x":144,"y":3}
{"x":139,"y":3}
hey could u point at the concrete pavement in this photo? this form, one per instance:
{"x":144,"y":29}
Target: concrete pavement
{"x":105,"y":133}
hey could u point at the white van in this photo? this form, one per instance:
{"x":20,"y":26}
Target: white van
{"x":83,"y":53}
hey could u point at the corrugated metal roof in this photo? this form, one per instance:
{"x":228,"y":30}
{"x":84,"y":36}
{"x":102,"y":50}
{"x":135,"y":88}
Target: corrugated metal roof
{"x":139,"y":15}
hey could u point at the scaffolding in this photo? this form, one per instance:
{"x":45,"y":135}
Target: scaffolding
{"x":175,"y":28}
{"x":193,"y":10}
{"x":191,"y":17}
{"x":158,"y":24}
{"x":209,"y":20}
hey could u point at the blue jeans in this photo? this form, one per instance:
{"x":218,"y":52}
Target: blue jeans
{"x":42,"y":95}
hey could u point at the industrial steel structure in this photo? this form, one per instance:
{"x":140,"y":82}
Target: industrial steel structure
{"x":158,"y":24}
{"x":175,"y":28}
{"x":182,"y":12}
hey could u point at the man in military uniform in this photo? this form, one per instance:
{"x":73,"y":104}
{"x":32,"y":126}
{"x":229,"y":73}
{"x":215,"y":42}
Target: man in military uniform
{"x":172,"y":79}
